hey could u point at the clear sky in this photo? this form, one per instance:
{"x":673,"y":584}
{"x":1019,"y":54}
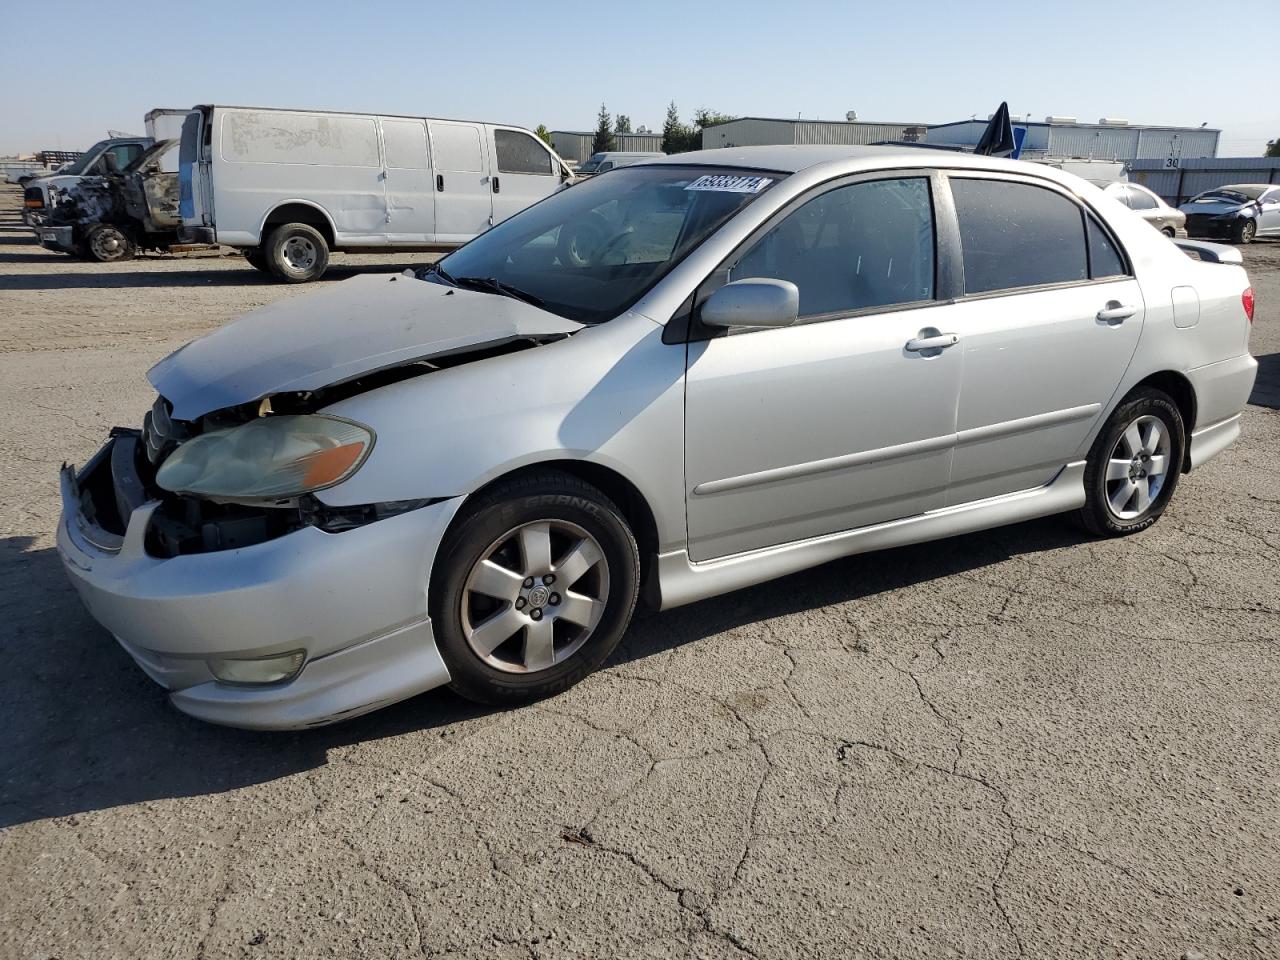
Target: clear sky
{"x":71,"y":70}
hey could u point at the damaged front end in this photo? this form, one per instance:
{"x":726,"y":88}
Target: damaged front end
{"x":237,"y":445}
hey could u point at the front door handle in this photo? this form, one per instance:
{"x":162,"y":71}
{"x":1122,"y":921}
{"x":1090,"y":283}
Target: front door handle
{"x":497,"y":187}
{"x":440,"y":182}
{"x":937,"y":342}
{"x":1116,"y":312}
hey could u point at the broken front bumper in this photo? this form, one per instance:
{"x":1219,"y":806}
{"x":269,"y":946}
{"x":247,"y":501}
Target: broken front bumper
{"x":62,"y":239}
{"x":354,"y":601}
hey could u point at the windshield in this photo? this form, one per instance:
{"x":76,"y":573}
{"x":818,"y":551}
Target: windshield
{"x":1234,"y":194}
{"x":591,"y":163}
{"x":590,"y":251}
{"x":81,"y":163}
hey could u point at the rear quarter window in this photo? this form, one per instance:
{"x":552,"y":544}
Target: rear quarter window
{"x":1018,"y":235}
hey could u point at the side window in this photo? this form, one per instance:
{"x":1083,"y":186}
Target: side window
{"x":1104,"y":258}
{"x":456,"y":147}
{"x":405,"y":143}
{"x":521,"y":153}
{"x":1122,"y":194}
{"x":1141,"y":200}
{"x":864,"y":245}
{"x":125,"y":154}
{"x":1017,"y":235}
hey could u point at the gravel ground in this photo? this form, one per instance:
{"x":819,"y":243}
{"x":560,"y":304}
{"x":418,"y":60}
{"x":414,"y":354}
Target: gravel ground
{"x":1022,"y":743}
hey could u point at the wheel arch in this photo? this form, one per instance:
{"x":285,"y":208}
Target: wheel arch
{"x":618,"y":488}
{"x":298,"y":211}
{"x":1183,"y":394}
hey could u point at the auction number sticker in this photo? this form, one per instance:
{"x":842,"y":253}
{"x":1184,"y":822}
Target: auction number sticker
{"x":727,"y":183}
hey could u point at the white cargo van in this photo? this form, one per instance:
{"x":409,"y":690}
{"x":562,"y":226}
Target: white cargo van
{"x":289,"y":186}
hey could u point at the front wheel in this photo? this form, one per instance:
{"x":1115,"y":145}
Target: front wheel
{"x":296,"y":253}
{"x":107,"y":243}
{"x":1134,"y":465}
{"x":534,"y":587}
{"x":1245,"y":231}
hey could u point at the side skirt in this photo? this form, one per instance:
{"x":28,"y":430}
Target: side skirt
{"x":682,"y":581}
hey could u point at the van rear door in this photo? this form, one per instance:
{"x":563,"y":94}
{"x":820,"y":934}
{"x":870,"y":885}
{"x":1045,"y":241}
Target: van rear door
{"x":407,"y":179}
{"x":464,"y":204}
{"x":193,"y":188}
{"x":525,"y":171}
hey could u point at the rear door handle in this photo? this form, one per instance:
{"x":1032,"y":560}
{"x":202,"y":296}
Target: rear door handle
{"x":440,"y":182}
{"x":938,"y":342}
{"x":497,"y":187}
{"x":1116,"y":312}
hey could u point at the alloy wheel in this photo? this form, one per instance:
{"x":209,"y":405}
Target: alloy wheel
{"x":535,"y":596}
{"x":1138,"y":467}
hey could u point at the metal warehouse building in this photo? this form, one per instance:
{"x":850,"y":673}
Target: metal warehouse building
{"x":1107,"y":140}
{"x":764,"y":131}
{"x":575,"y":146}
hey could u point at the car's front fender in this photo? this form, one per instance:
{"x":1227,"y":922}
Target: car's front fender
{"x":611,"y":395}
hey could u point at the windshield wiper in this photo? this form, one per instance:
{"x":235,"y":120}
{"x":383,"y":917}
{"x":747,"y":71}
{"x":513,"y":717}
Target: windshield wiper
{"x":434,"y":269}
{"x":494,"y":285}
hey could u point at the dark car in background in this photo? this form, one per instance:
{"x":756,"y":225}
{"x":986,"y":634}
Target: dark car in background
{"x":1238,"y":211}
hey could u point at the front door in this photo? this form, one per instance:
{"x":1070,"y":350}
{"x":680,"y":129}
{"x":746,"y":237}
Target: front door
{"x":1048,"y":323}
{"x":842,"y":420}
{"x":407,"y":181}
{"x":464,"y":197}
{"x":1269,"y":213}
{"x":526,"y":172}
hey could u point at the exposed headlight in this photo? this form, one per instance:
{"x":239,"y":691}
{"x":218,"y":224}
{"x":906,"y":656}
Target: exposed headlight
{"x":271,"y":458}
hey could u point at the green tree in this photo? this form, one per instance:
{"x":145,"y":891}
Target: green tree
{"x":544,"y":134}
{"x":604,"y":132}
{"x":676,"y":135}
{"x":622,"y":124}
{"x":706,"y":118}
{"x":1273,"y":148}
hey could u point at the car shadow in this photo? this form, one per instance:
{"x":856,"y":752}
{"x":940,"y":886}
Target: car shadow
{"x":85,"y":730}
{"x":1266,"y":388}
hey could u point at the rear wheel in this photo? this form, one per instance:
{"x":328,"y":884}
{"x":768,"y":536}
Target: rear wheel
{"x":1245,"y":231}
{"x":296,"y":253}
{"x":534,"y":588}
{"x":1134,"y":465}
{"x":107,"y":243}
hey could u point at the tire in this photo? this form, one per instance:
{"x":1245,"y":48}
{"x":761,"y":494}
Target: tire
{"x":257,"y":259}
{"x":493,"y":628}
{"x":1244,"y":231}
{"x":107,"y":243}
{"x":296,"y":253}
{"x":1169,"y":232}
{"x":1122,"y":495}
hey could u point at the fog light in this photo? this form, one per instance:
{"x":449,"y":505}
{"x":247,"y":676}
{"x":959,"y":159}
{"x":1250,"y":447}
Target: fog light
{"x":276,"y":669}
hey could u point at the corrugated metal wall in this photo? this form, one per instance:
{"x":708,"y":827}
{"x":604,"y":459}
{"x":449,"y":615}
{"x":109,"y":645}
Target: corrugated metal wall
{"x":638,"y":142}
{"x":1179,"y":184}
{"x":754,"y":132}
{"x":1090,"y":140}
{"x":575,"y":145}
{"x":1105,"y":143}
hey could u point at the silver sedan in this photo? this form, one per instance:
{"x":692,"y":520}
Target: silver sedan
{"x":681,"y":379}
{"x":1170,"y":221}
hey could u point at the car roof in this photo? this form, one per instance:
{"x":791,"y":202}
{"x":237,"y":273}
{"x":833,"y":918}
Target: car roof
{"x":793,"y":159}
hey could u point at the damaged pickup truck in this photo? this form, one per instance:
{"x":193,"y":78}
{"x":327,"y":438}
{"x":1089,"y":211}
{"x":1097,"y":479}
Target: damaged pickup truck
{"x":688,"y":376}
{"x":112,"y":217}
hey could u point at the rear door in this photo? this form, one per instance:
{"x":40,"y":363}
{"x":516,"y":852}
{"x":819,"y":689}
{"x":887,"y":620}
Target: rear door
{"x":464,"y":197}
{"x":526,"y":171}
{"x":408,"y":181}
{"x":1049,"y":319}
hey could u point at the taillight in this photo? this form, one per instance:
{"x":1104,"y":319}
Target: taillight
{"x":1246,"y":299}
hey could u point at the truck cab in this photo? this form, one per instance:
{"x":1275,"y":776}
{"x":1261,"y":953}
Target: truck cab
{"x":40,"y":196}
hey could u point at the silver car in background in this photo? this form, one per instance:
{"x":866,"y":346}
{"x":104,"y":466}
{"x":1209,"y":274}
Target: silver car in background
{"x":1239,"y":212}
{"x":1170,"y":221}
{"x":681,"y":379}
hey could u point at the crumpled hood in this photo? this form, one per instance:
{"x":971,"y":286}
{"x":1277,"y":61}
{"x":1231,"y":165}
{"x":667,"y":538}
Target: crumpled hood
{"x":1214,"y":208}
{"x":370,"y":322}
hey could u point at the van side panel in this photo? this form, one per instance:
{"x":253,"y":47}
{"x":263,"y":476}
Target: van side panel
{"x":264,"y":158}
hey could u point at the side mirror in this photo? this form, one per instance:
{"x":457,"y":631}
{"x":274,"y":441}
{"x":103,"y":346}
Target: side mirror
{"x":757,"y":302}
